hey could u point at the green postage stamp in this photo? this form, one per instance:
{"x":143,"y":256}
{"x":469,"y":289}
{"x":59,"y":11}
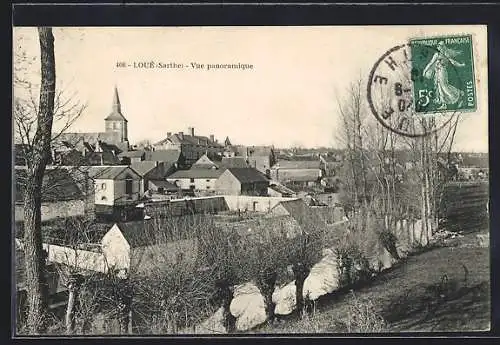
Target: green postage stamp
{"x":443,"y":74}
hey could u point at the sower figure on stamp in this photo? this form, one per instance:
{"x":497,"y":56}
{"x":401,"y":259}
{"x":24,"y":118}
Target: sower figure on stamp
{"x":437,"y":69}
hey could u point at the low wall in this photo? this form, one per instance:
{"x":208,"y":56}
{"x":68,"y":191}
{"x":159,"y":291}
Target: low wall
{"x":83,"y":259}
{"x":180,"y":207}
{"x":51,"y":210}
{"x":252,"y":203}
{"x":213,"y":204}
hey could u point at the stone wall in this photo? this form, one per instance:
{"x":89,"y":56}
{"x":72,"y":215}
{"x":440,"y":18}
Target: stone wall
{"x":52,"y":210}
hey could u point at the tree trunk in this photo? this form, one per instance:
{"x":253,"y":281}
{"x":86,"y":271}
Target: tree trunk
{"x":225,"y":296}
{"x":39,"y":157}
{"x":70,"y":320}
{"x":267,"y":281}
{"x":300,"y":273}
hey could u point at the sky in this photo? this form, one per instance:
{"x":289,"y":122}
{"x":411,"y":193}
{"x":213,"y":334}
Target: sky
{"x":289,"y":97}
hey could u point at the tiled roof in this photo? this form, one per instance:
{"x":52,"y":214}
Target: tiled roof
{"x":190,"y":140}
{"x":163,"y":155}
{"x":197,"y":174}
{"x":108,"y":172}
{"x":234,"y":162}
{"x":292,"y":164}
{"x":164,"y":184}
{"x":204,"y":162}
{"x":281,"y":189}
{"x":254,"y":150}
{"x":58,"y":185}
{"x":62,"y":231}
{"x":132,"y":154}
{"x":105,"y":158}
{"x":302,"y":214}
{"x":248,"y":175}
{"x":139,"y":233}
{"x":142,"y":168}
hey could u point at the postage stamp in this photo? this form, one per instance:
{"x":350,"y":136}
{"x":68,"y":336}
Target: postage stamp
{"x":416,"y":88}
{"x":443,"y":74}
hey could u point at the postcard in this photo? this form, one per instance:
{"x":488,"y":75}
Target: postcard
{"x":250,"y":180}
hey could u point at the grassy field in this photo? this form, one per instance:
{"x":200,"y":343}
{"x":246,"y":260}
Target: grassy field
{"x":428,"y":292}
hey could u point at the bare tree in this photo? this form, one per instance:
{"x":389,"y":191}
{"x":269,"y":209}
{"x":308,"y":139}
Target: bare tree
{"x":35,"y":113}
{"x":40,"y":154}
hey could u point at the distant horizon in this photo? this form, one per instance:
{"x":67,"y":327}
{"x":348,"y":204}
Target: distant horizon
{"x":288,"y":99}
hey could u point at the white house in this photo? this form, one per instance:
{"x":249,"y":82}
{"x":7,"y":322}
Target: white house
{"x":115,"y":185}
{"x":195,"y":179}
{"x":137,"y":247}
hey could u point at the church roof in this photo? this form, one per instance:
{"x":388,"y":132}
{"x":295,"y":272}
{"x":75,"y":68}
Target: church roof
{"x":116,"y":113}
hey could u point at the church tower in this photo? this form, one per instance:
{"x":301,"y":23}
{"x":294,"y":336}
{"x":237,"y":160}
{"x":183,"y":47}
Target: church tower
{"x":116,"y":123}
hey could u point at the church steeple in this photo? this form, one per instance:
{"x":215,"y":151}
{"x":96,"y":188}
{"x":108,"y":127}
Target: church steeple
{"x":116,"y":102}
{"x":116,"y":113}
{"x":116,"y":123}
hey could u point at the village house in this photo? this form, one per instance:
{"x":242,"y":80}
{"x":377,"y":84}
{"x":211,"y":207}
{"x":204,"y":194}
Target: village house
{"x":61,"y":196}
{"x":190,"y":145}
{"x":299,"y":217}
{"x":137,"y":247}
{"x":130,"y":157}
{"x":242,"y":181}
{"x":168,"y":157}
{"x":116,"y":190}
{"x":261,"y":158}
{"x":306,"y":173}
{"x":234,"y":162}
{"x":161,"y":189}
{"x":205,"y":163}
{"x":195,"y":180}
{"x":151,"y":172}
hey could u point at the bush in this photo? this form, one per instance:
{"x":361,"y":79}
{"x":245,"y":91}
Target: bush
{"x":389,"y":240}
{"x":352,"y":264}
{"x":362,"y":317}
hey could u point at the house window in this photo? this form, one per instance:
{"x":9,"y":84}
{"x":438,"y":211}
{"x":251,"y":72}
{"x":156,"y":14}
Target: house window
{"x":208,"y":180}
{"x":128,"y":186}
{"x":161,"y":190}
{"x":103,"y":186}
{"x":208,"y":187}
{"x":104,"y":198}
{"x":114,"y":125}
{"x":191,"y":180}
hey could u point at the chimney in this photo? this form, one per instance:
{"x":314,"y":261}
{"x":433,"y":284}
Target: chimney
{"x":191,"y":131}
{"x":212,"y":138}
{"x":181,"y":135}
{"x":169,"y":134}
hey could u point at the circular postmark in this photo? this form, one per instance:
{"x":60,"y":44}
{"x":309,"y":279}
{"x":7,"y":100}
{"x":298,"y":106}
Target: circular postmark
{"x":409,"y":90}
